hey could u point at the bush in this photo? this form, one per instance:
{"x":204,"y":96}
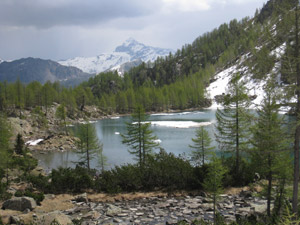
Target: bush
{"x":243,"y":178}
{"x":38,"y":197}
{"x":161,"y":171}
{"x":24,"y":162}
{"x":124,"y":178}
{"x":70,"y":180}
{"x":40,"y":182}
{"x":165,"y":170}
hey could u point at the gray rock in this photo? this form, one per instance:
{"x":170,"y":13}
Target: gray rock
{"x":81,"y":198}
{"x":14,"y":220}
{"x":171,"y":222}
{"x":113,"y":210}
{"x":59,"y":217}
{"x":19,"y":204}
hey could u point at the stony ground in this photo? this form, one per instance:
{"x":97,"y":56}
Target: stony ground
{"x":148,"y":208}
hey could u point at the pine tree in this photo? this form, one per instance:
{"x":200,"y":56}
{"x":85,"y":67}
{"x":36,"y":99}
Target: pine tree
{"x":233,"y":121}
{"x":88,"y":144}
{"x":270,"y":141}
{"x":202,"y":144}
{"x":139,"y":137}
{"x":213,"y":182}
{"x":5,"y":154}
{"x":19,"y":146}
{"x":61,"y":114}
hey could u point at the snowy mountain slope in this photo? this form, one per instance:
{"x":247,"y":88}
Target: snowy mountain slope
{"x":255,"y":87}
{"x":1,"y":60}
{"x":130,"y":50}
{"x":125,"y":67}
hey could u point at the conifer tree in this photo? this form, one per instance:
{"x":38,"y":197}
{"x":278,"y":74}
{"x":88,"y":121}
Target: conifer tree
{"x":233,"y":121}
{"x":270,"y":141}
{"x":88,"y":144}
{"x":19,"y":146}
{"x":139,"y":137}
{"x":213,"y":182}
{"x":61,"y":114}
{"x":5,"y":155}
{"x":202,"y":146}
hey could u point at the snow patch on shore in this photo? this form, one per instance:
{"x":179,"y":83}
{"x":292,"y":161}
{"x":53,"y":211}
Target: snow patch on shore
{"x":34,"y":142}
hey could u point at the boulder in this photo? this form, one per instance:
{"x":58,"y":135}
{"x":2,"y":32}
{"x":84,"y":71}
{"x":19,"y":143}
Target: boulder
{"x":56,"y":216}
{"x":113,"y":210}
{"x":19,"y":204}
{"x":81,"y":198}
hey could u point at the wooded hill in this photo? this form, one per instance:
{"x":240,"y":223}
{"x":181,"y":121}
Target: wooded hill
{"x":177,"y":81}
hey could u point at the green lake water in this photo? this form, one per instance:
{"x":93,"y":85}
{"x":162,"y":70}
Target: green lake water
{"x":173,"y":130}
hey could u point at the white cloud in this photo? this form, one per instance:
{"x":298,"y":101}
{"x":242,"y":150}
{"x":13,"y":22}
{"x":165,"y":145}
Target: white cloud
{"x":186,"y":5}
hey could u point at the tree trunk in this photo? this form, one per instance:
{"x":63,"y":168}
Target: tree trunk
{"x":237,"y":163}
{"x":269,"y":194}
{"x":214,"y":200}
{"x":297,"y":132}
{"x":87,"y":148}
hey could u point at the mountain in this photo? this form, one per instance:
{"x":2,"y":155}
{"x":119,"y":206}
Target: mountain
{"x":121,"y":69}
{"x":131,"y":50}
{"x":35,"y":69}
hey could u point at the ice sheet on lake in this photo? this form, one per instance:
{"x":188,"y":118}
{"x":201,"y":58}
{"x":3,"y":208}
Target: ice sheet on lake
{"x":180,"y":124}
{"x":162,"y":114}
{"x":34,"y":142}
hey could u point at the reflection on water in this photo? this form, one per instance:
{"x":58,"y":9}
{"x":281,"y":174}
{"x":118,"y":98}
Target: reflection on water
{"x":172,"y":139}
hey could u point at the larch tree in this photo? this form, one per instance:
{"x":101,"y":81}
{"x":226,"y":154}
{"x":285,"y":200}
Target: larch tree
{"x":88,"y":144}
{"x":213,"y":183}
{"x":270,"y":141}
{"x":61,"y":114}
{"x":202,"y":146}
{"x":139,"y":137}
{"x":232,"y":128}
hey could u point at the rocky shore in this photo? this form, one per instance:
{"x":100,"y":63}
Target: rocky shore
{"x":147,"y":209}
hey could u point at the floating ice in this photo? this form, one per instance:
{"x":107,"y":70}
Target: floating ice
{"x":158,"y":141}
{"x":163,"y":114}
{"x":114,"y":117}
{"x":180,"y":124}
{"x":117,"y":133}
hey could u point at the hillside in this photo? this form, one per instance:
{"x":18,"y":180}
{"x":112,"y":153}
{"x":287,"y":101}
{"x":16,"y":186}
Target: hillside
{"x":35,"y":69}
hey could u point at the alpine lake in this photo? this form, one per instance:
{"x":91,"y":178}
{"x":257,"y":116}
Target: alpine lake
{"x":174,"y":132}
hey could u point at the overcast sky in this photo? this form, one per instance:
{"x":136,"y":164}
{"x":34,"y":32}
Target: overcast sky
{"x":62,"y":29}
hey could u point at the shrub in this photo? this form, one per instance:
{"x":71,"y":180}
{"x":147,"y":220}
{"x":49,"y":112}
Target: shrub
{"x":70,"y":180}
{"x":243,"y":178}
{"x":37,"y":196}
{"x":40,"y":182}
{"x":121,"y":178}
{"x":161,"y":171}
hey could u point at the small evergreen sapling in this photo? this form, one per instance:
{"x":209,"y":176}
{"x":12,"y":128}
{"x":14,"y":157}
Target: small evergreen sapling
{"x":202,"y":146}
{"x":213,"y":183}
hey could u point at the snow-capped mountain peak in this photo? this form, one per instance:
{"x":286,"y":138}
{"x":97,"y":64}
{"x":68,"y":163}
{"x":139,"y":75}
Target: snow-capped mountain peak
{"x":130,"y":46}
{"x":131,"y":50}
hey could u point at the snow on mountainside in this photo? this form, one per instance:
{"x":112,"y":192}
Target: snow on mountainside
{"x":130,"y":50}
{"x":1,"y":60}
{"x":256,"y":88}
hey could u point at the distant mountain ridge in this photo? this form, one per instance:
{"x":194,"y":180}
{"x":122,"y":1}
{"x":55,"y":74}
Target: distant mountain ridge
{"x":41,"y":70}
{"x":131,"y":50}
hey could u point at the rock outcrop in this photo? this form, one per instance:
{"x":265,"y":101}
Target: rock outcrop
{"x":19,"y":204}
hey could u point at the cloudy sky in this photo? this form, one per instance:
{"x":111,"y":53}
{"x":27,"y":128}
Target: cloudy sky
{"x":61,"y":29}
